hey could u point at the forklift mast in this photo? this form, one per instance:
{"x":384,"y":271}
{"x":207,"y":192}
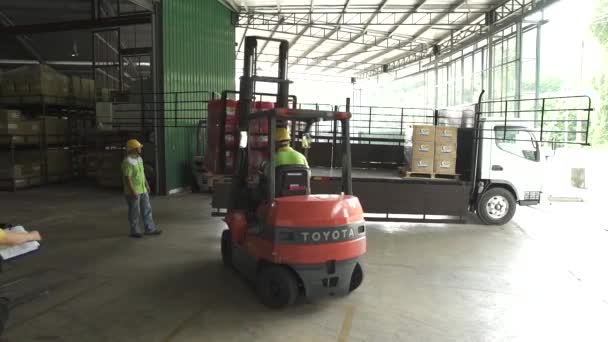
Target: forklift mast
{"x":247,"y":91}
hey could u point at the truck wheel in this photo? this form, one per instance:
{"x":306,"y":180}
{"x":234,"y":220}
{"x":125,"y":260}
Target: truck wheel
{"x":356,"y":279}
{"x":277,"y":287}
{"x":226,"y":248}
{"x":496,"y":206}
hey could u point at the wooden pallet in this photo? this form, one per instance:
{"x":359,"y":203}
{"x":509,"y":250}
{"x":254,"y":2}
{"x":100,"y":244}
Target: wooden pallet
{"x":432,"y":175}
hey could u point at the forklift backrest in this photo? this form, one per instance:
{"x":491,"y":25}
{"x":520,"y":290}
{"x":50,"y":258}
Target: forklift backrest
{"x":292,"y":180}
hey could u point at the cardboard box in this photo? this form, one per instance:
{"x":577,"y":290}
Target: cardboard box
{"x":76,"y":88}
{"x":12,"y":184}
{"x":23,"y":127}
{"x":445,"y":150}
{"x":422,"y":165}
{"x":109,"y":172}
{"x":445,"y":165}
{"x":424,"y":150}
{"x":58,"y":162}
{"x":37,"y":80}
{"x":55,"y":130}
{"x":24,"y":164}
{"x":7,"y":88}
{"x":20,"y":171}
{"x":423,"y":133}
{"x":446,"y":135}
{"x":10,"y":115}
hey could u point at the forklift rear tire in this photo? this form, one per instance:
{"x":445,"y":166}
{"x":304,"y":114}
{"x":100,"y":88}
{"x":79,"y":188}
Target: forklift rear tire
{"x":277,"y":287}
{"x":226,"y":248}
{"x":496,"y":206}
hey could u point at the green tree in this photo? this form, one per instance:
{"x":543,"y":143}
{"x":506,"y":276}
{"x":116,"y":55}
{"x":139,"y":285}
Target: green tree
{"x":599,"y":27}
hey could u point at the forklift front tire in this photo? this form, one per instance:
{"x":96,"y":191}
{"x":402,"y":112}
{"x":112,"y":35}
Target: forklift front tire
{"x":226,"y":248}
{"x":277,"y":287}
{"x":356,"y":278}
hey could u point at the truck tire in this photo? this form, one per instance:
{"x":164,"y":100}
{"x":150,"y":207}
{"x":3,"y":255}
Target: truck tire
{"x":277,"y":287}
{"x":496,"y":206}
{"x":226,"y":248}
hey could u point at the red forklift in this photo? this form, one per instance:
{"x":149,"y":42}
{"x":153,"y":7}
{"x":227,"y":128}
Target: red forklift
{"x":284,"y":239}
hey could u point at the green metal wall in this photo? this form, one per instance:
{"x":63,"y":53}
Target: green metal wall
{"x":198,"y":55}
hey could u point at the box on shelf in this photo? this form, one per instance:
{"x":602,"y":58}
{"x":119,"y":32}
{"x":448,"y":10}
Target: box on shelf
{"x":9,"y":116}
{"x":25,"y":164}
{"x":103,"y":95}
{"x":37,"y":80}
{"x":445,"y":165}
{"x":58,"y":162}
{"x":76,"y":87}
{"x":7,"y":88}
{"x":423,"y":133}
{"x":21,"y":183}
{"x":88,"y":90}
{"x":109,"y":172}
{"x":446,"y":135}
{"x":55,"y":130}
{"x":20,"y":132}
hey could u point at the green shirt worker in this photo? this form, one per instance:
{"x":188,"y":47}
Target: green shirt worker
{"x":137,"y":190}
{"x":286,"y":155}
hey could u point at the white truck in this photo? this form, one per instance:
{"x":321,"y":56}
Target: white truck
{"x":500,"y":163}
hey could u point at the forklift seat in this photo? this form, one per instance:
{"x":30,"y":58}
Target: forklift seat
{"x":292,"y":180}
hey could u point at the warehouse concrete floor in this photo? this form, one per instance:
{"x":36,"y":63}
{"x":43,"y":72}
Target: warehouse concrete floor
{"x":89,"y":282}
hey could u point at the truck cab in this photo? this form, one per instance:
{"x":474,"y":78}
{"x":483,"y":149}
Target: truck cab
{"x":510,"y":167}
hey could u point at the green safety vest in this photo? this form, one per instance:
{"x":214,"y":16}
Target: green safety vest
{"x":289,"y":156}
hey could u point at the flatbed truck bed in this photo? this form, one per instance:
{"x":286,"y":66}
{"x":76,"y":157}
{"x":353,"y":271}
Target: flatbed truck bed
{"x":386,"y":195}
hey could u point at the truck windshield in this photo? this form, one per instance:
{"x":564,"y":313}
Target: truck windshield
{"x":518,"y":141}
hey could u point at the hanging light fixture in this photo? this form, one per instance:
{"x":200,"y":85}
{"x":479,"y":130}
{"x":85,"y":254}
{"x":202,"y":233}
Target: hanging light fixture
{"x":75,"y":49}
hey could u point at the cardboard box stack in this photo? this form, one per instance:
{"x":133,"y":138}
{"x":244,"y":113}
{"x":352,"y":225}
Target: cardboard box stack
{"x":76,"y":88}
{"x":55,"y":130}
{"x":446,"y":143}
{"x":423,"y":150}
{"x":109,"y":173}
{"x":24,"y":170}
{"x":35,"y":80}
{"x":58,"y":165}
{"x":15,"y":128}
{"x":92,"y":160}
{"x":88,"y":90}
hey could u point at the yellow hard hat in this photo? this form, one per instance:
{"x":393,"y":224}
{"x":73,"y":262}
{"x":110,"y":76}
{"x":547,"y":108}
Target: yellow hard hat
{"x":133,"y":144}
{"x":282,"y":134}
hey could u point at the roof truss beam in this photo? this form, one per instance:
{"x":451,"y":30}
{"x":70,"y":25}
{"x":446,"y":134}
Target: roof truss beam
{"x":450,"y":18}
{"x":369,"y":21}
{"x":368,"y":38}
{"x":506,"y":14}
{"x":391,"y":47}
{"x":325,"y":36}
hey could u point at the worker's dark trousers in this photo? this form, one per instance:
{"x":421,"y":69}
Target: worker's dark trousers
{"x":139,"y":207}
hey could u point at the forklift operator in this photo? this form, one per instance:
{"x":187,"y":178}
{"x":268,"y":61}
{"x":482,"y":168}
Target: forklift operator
{"x":286,"y":155}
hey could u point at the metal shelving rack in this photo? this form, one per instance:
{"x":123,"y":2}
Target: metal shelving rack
{"x":79,"y":116}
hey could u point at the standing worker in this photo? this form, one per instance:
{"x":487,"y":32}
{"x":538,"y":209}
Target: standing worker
{"x":137,"y":191}
{"x":285,"y":154}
